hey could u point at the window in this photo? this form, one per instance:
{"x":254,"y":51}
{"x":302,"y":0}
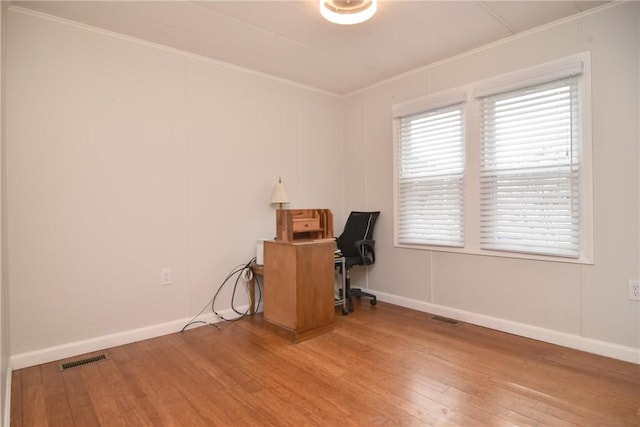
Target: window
{"x":500,"y":167}
{"x":431,"y":177}
{"x":530,"y":170}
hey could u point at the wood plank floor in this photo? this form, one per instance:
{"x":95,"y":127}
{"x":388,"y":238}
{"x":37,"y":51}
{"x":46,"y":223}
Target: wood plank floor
{"x":382,"y":365}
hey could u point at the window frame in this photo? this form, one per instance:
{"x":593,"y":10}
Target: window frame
{"x":472,"y":93}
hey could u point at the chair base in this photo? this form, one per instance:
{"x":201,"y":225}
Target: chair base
{"x":359,"y":293}
{"x":355,"y":293}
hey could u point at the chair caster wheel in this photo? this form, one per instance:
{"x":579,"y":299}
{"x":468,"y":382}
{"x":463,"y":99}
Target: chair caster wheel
{"x":345,"y":311}
{"x":374,"y":302}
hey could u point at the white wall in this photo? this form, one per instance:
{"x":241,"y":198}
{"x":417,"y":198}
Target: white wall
{"x":125,"y":158}
{"x":566,"y":303}
{"x":5,"y":350}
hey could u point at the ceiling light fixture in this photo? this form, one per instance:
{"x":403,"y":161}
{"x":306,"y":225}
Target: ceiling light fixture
{"x":348,"y":12}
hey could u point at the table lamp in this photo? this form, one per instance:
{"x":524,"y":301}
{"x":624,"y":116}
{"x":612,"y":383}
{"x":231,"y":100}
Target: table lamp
{"x":280,"y":195}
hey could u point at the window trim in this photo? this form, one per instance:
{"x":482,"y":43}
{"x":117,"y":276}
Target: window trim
{"x":470,"y":95}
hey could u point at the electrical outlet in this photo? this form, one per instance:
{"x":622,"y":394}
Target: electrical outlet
{"x":165,"y":276}
{"x":634,"y":290}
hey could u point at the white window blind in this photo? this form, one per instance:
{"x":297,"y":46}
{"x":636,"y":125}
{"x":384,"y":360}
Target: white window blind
{"x":430,"y":179}
{"x":530,"y":170}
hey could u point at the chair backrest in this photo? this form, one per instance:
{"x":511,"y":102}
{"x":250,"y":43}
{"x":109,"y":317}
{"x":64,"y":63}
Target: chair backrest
{"x":359,"y":226}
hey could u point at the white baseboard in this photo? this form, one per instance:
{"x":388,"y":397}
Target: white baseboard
{"x":603,"y":348}
{"x":50,"y":354}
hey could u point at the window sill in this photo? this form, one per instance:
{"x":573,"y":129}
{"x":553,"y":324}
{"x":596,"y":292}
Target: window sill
{"x":583,"y":259}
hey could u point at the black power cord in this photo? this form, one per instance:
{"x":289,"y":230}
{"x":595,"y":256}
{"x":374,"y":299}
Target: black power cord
{"x":240,"y":271}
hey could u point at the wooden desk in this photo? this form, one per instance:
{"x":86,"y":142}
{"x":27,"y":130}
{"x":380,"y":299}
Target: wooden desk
{"x":299,"y":288}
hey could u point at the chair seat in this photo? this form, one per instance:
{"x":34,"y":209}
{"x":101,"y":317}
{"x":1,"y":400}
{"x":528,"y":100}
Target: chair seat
{"x":351,"y":261}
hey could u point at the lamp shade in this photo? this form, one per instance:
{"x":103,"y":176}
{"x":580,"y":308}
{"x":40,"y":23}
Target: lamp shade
{"x":280,"y":195}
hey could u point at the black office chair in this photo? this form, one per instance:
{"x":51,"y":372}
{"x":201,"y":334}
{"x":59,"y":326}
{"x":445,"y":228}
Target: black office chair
{"x":358,"y":248}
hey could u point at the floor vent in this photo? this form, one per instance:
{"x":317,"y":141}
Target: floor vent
{"x":448,"y":321}
{"x":76,"y":363}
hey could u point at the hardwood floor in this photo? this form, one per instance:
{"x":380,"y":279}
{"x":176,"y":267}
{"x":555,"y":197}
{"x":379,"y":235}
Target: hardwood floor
{"x":382,"y":365}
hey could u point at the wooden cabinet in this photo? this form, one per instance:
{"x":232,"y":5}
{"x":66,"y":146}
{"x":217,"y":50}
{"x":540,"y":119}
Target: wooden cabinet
{"x":299,"y":287}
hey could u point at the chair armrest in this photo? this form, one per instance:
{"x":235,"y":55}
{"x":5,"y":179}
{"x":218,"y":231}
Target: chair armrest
{"x":366,"y":249}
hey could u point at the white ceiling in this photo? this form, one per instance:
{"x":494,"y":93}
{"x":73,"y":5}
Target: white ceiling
{"x":291,"y":40}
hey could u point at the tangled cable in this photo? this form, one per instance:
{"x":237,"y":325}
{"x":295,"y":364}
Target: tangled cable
{"x":241,"y":271}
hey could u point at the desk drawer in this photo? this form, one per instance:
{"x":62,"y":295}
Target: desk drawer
{"x":306,"y":224}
